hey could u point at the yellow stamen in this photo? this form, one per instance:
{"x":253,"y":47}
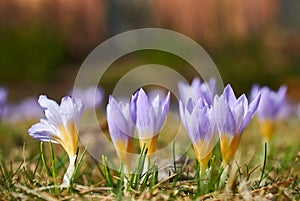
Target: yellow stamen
{"x":229,"y":146}
{"x":267,"y":128}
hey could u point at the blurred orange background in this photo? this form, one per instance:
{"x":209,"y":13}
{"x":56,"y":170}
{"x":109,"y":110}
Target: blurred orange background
{"x":44,"y":42}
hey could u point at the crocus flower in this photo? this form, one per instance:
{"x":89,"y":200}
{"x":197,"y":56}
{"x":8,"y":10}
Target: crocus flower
{"x":272,"y":106}
{"x":232,"y":115}
{"x":3,"y":97}
{"x":197,"y":90}
{"x":197,"y":118}
{"x":26,"y":110}
{"x":121,"y":117}
{"x":151,"y":116}
{"x":297,"y":110}
{"x":60,"y":126}
{"x":91,"y":97}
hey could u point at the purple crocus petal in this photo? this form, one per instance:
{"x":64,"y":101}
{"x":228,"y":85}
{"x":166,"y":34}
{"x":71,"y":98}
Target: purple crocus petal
{"x":229,"y":123}
{"x":192,"y":124}
{"x":3,"y":95}
{"x":196,"y":83}
{"x":212,"y":127}
{"x":97,"y":95}
{"x":161,"y":112}
{"x":266,"y":108}
{"x":166,"y":103}
{"x":91,"y":97}
{"x":159,"y":115}
{"x":198,"y":90}
{"x":279,"y":99}
{"x":132,"y":107}
{"x":185,"y":118}
{"x":204,"y":123}
{"x":70,"y":110}
{"x":207,"y":91}
{"x":255,"y":90}
{"x":223,"y":116}
{"x":282,"y":92}
{"x":3,"y":98}
{"x":43,"y":131}
{"x":126,"y":112}
{"x":212,"y":84}
{"x":182,"y":114}
{"x":229,"y":94}
{"x":253,"y":106}
{"x":78,"y":109}
{"x":239,"y":109}
{"x":51,"y":109}
{"x":285,"y":110}
{"x":190,"y":105}
{"x":117,"y":115}
{"x":115,"y":133}
{"x":145,"y":115}
{"x":186,"y":92}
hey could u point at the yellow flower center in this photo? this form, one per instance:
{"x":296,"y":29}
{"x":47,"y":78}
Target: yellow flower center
{"x":267,"y":128}
{"x":229,"y":146}
{"x":203,"y":153}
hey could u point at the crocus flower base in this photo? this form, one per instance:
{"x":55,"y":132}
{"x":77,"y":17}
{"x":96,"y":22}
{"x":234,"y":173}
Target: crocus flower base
{"x":69,"y":173}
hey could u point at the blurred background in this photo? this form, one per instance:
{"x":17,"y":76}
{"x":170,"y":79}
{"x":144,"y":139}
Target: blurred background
{"x":44,"y":42}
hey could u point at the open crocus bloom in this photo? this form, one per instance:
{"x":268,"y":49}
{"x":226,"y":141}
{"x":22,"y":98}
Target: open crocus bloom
{"x":197,"y":90}
{"x":197,"y":118}
{"x":271,"y":108}
{"x":121,"y":117}
{"x":232,"y":115}
{"x":60,"y":126}
{"x":150,"y":118}
{"x":3,"y":97}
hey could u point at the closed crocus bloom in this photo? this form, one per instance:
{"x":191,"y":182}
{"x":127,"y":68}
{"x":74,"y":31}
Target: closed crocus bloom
{"x":91,"y":97}
{"x":150,"y":118}
{"x":3,"y":97}
{"x":60,"y":126}
{"x":232,"y":115}
{"x":197,"y":90}
{"x":272,"y":106}
{"x":197,"y":118}
{"x":121,"y":117}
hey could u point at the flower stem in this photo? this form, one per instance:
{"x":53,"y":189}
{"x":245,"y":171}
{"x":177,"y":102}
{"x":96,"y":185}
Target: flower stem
{"x":264,"y":165}
{"x":70,"y":171}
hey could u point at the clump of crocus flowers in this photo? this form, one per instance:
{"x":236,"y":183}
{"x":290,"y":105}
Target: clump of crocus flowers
{"x":140,"y":113}
{"x":206,"y":116}
{"x":196,"y":112}
{"x":203,"y":113}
